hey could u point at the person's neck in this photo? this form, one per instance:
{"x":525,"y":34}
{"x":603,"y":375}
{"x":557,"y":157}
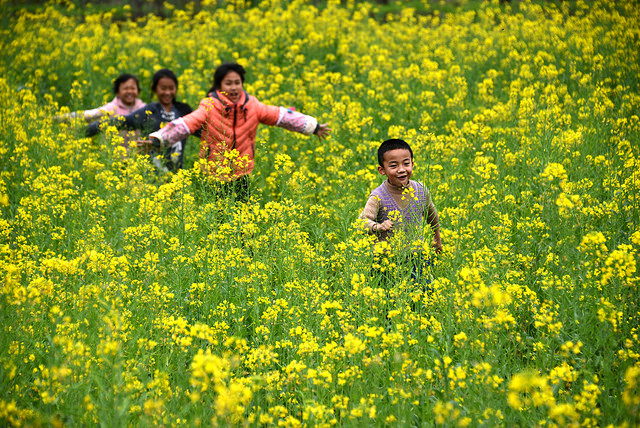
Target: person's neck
{"x":130,"y":105}
{"x":225,"y":96}
{"x":398,"y":188}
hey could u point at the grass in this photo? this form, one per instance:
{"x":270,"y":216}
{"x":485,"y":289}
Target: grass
{"x":133,"y":298}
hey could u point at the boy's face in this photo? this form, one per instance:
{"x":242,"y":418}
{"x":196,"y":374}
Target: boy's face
{"x":397,"y":166}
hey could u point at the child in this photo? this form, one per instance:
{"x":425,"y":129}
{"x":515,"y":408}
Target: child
{"x":126,"y":89}
{"x":401,"y":204}
{"x":153,"y":116}
{"x":229,"y":119}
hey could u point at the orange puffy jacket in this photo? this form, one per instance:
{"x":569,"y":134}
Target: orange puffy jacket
{"x":227,"y":126}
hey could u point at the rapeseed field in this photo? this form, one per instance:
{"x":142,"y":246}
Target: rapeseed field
{"x":136,"y":298}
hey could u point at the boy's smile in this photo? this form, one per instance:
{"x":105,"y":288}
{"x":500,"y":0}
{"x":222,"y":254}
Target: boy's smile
{"x":397,"y":166}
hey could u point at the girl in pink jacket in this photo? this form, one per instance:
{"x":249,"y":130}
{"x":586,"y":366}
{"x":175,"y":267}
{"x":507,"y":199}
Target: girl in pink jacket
{"x":126,"y":89}
{"x":229,"y":119}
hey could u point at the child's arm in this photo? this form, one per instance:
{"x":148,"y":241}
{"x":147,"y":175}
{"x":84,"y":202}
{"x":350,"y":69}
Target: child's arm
{"x":134,"y":120}
{"x":97,"y":113}
{"x":370,"y":214}
{"x":299,"y":122}
{"x":291,"y":120}
{"x":179,"y":129}
{"x":434,"y":222}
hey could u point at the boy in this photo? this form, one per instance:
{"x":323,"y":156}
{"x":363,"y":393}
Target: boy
{"x":401,"y":204}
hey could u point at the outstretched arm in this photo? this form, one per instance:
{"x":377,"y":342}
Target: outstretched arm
{"x":179,"y":129}
{"x":302,"y":123}
{"x":97,"y":113}
{"x":172,"y":133}
{"x":134,"y":120}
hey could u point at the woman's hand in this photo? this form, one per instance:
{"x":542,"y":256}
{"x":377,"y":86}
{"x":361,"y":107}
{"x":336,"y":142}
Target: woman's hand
{"x":65,"y":117}
{"x":143,"y":146}
{"x":323,"y":131}
{"x":146,"y":146}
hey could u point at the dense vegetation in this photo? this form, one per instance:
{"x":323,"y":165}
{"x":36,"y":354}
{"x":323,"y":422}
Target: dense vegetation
{"x":132,"y":298}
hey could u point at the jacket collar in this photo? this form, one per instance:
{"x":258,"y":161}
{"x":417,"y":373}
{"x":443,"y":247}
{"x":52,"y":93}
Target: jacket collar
{"x":122,"y":106}
{"x":226,"y":102}
{"x":398,"y":190}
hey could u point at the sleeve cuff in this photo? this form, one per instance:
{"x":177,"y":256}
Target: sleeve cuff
{"x":297,"y":122}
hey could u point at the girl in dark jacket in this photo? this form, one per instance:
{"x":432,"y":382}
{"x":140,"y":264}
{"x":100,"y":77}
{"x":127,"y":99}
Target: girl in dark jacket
{"x":153,"y":116}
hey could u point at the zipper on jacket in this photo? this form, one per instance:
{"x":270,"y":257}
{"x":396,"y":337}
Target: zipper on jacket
{"x":235,"y":115}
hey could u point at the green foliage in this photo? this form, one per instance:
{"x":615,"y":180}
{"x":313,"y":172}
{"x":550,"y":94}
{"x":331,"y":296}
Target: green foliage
{"x":137,"y":298}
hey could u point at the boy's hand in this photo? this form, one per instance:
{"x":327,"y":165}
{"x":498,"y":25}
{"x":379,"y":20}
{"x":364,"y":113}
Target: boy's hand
{"x":437,"y":241}
{"x":385,"y":226}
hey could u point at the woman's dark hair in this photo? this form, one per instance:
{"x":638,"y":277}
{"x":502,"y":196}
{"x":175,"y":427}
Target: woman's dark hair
{"x":123,"y":78}
{"x":223,"y":70}
{"x":392,"y":144}
{"x":164,"y":72}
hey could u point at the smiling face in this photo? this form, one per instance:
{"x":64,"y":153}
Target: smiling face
{"x":397,"y":166}
{"x":231,"y":85}
{"x":166,"y":91}
{"x":128,"y":92}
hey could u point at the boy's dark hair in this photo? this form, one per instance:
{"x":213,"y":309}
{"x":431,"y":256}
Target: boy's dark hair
{"x":392,"y":144}
{"x":163,"y":72}
{"x":123,"y":78}
{"x":223,"y":70}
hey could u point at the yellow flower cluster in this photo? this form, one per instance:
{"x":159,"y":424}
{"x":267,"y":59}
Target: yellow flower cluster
{"x":132,"y":298}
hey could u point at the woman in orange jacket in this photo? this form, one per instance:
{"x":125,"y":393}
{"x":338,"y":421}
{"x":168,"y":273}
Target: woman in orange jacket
{"x":228,"y":120}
